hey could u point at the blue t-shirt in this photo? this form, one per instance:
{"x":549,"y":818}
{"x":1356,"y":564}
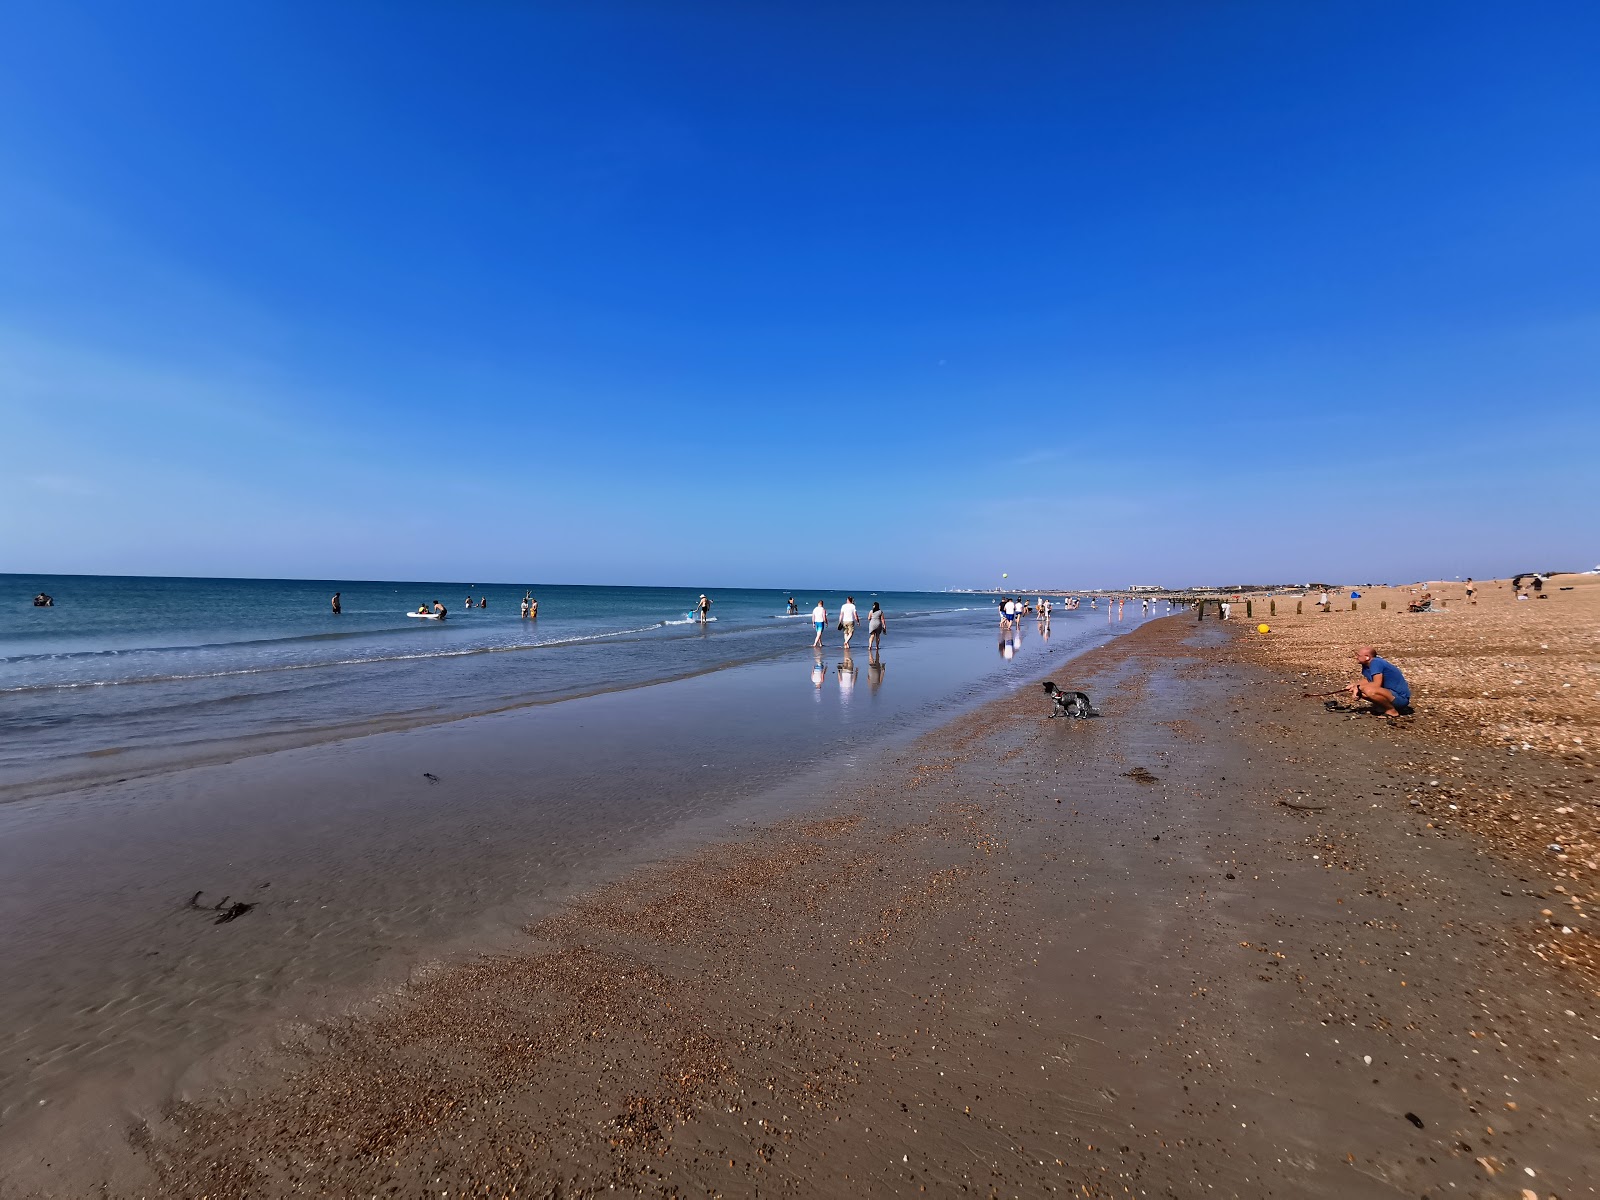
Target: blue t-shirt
{"x":1392,"y":679}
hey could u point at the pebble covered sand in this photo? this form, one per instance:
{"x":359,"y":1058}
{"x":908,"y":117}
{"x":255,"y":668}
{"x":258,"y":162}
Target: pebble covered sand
{"x":1507,"y":726}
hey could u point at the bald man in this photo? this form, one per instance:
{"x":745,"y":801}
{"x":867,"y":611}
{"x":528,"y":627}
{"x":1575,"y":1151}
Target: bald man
{"x":1381,"y":685}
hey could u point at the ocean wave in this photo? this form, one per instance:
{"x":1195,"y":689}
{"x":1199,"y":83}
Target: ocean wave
{"x":125,"y":651}
{"x":464,"y":652}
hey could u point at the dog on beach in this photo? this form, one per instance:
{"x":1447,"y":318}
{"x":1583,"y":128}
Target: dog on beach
{"x":1067,"y":704}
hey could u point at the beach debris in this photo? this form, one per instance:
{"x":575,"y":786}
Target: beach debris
{"x":1140,"y":775}
{"x":1300,"y":806}
{"x":1414,"y":1119}
{"x":430,"y":777}
{"x":228,"y":912}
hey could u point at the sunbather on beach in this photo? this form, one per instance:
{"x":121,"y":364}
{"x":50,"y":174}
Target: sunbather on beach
{"x":1381,"y":685}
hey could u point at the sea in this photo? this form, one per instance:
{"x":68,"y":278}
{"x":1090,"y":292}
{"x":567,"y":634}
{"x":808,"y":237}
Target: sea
{"x":129,"y":675}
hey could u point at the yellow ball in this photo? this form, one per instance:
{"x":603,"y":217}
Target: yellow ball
{"x":1263,"y":628}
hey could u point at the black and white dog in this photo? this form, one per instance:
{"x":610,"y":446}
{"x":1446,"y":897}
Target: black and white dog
{"x":1068,"y":704}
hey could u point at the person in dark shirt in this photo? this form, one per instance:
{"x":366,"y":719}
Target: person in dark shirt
{"x":1381,"y":685}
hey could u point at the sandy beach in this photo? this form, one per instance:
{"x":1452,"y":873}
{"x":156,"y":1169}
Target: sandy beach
{"x":1217,"y":941}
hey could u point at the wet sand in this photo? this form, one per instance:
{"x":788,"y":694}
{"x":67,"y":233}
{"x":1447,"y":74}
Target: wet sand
{"x":1203,"y":944}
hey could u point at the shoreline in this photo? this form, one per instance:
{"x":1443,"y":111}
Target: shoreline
{"x":363,"y":860}
{"x":942,"y":978}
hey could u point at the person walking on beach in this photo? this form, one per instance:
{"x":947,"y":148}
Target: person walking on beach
{"x":336,"y":609}
{"x":703,"y":608}
{"x":1226,"y":609}
{"x":875,"y":627}
{"x":847,"y":620}
{"x":819,"y":618}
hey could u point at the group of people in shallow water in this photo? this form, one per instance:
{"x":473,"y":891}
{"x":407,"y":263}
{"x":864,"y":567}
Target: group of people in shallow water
{"x":849,"y":618}
{"x":1012,"y":609}
{"x":530,"y":606}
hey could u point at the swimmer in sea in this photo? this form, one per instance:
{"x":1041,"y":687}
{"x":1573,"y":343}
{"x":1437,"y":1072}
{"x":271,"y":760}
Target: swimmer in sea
{"x":336,"y":608}
{"x":439,"y":610}
{"x":703,"y":608}
{"x":794,"y":609}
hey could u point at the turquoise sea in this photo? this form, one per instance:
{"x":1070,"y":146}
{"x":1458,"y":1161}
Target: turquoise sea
{"x":128,"y":674}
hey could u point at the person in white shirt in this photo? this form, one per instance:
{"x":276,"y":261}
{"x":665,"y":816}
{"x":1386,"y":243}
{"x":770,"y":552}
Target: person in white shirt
{"x":1011,"y":610}
{"x":847,"y":619}
{"x":819,"y":618}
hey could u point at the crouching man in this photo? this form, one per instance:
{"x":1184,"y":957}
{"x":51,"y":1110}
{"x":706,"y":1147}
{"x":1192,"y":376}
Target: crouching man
{"x":1381,"y":685}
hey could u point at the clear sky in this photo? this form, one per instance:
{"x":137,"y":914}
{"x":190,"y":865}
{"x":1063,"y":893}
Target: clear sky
{"x":750,"y":294}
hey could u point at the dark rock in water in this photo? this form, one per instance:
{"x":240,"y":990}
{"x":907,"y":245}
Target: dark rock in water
{"x":1140,"y":775}
{"x":232,"y":912}
{"x":430,"y":777}
{"x":1414,"y":1119}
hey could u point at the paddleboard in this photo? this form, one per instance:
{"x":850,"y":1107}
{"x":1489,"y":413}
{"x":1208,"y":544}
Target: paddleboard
{"x":425,"y":616}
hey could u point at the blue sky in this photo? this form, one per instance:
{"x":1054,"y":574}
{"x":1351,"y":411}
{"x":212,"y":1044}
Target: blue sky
{"x":739,"y":294}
